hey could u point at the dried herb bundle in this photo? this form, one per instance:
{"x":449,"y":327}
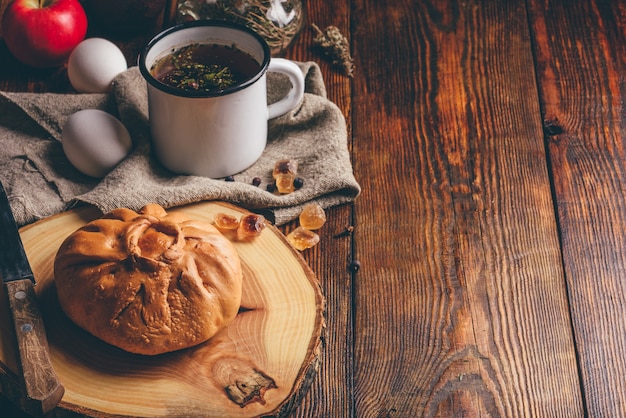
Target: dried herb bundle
{"x":277,"y":21}
{"x":336,"y":47}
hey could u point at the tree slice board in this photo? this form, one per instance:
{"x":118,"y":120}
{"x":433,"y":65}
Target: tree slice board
{"x":258,"y":366}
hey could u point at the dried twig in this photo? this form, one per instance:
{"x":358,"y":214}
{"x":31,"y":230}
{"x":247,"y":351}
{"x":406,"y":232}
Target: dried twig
{"x":336,"y":47}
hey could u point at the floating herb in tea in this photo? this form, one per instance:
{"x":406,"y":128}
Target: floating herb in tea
{"x":205,"y":67}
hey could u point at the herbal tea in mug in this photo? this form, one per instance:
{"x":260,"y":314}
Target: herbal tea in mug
{"x":207,"y":96}
{"x":205,"y":67}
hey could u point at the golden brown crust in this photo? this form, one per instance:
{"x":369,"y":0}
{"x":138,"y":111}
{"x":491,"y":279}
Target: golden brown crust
{"x":149,"y":282}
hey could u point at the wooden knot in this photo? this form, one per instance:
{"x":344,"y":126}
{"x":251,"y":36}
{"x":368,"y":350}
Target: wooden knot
{"x":552,"y":127}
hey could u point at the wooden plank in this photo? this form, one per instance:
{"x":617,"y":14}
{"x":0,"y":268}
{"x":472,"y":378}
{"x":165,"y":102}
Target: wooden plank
{"x":463,"y":309}
{"x":581,"y":52}
{"x":330,"y":394}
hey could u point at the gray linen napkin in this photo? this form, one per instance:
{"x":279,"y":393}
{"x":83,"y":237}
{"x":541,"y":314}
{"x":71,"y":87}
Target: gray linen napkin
{"x":40,"y":181}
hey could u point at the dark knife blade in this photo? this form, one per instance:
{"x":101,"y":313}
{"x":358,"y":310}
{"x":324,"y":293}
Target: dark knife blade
{"x":42,"y":389}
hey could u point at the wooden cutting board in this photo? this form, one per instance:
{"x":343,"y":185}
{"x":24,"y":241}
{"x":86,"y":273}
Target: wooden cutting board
{"x":259,"y":365}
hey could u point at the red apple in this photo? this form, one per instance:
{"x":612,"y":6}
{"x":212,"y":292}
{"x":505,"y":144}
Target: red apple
{"x":43,"y":33}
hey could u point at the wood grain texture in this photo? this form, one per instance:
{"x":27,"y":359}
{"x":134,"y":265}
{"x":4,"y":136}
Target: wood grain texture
{"x":488,"y":138}
{"x":42,"y":389}
{"x":331,"y":392}
{"x":581,"y":56}
{"x":463,"y":310}
{"x":274,"y":342}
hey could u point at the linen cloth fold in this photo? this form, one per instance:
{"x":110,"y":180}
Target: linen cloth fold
{"x":41,"y":182}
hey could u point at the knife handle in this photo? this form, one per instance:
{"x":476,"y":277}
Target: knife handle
{"x":43,"y":389}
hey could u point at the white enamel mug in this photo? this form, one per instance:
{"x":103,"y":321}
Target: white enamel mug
{"x":215,"y":134}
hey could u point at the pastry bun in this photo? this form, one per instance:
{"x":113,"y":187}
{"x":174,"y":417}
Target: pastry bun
{"x":148,"y":282}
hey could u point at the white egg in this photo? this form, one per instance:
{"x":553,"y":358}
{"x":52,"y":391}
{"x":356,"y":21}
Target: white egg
{"x":95,"y":141}
{"x":93,"y":65}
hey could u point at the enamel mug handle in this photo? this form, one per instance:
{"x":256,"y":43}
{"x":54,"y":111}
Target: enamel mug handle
{"x":291,"y":100}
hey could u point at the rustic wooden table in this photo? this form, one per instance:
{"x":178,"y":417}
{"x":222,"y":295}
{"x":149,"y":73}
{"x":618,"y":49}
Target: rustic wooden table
{"x":489,"y":139}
